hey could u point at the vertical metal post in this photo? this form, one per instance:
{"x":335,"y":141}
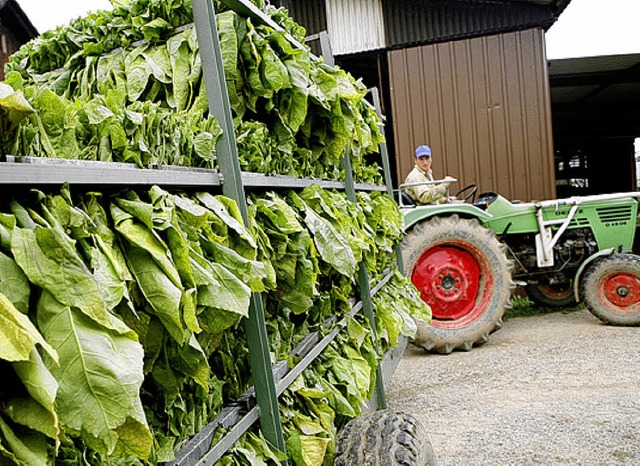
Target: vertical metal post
{"x":365,"y":287}
{"x":325,"y":47}
{"x":386,"y":166}
{"x":220,"y":108}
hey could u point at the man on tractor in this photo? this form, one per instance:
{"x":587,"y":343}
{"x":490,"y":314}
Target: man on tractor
{"x":421,"y":190}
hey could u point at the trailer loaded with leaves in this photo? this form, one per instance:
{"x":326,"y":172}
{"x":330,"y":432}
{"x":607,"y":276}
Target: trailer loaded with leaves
{"x":197,"y":250}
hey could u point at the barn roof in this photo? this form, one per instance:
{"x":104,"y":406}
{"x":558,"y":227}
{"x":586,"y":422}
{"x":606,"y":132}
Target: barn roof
{"x":16,"y":19}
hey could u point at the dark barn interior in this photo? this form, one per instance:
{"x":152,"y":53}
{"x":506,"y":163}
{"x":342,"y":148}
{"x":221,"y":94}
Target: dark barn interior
{"x":594,"y":104}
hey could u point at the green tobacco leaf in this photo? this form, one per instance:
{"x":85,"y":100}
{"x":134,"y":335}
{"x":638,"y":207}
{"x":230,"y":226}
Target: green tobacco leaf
{"x":14,"y":283}
{"x":141,"y":237}
{"x":360,"y":369}
{"x":25,"y":449}
{"x":191,"y":360}
{"x":60,"y":134}
{"x":107,"y":271}
{"x":295,"y":300}
{"x":281,"y":215}
{"x":219,"y":288}
{"x":7,"y":224}
{"x":137,"y":72}
{"x":293,"y":108}
{"x":232,"y":221}
{"x":161,"y":293}
{"x":100,"y":375}
{"x":159,"y":62}
{"x":19,"y":335}
{"x":154,"y":29}
{"x":97,"y":113}
{"x":307,"y":450}
{"x":13,"y":109}
{"x":339,"y":402}
{"x":274,"y":73}
{"x":215,"y":321}
{"x":38,"y":412}
{"x":125,"y":209}
{"x":181,"y":63}
{"x":332,"y":246}
{"x":49,"y":259}
{"x":250,"y":272}
{"x":228,"y":43}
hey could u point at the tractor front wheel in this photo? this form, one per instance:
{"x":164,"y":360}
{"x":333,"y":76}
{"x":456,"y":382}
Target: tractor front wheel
{"x":610,"y":288}
{"x":461,"y":270}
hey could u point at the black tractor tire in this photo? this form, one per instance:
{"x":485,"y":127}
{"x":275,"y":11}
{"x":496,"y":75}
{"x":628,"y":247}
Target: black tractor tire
{"x":610,"y":288}
{"x":462,"y":271}
{"x":547,"y":295}
{"x":384,"y":438}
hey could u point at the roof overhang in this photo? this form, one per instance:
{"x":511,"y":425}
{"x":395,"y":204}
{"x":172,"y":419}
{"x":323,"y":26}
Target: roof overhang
{"x":22,"y":25}
{"x":558,"y":6}
{"x":600,"y":95}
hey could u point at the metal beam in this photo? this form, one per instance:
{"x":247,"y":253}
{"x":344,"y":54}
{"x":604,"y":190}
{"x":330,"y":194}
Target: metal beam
{"x":247,"y":8}
{"x":219,"y":107}
{"x":386,"y":165}
{"x":365,"y":287}
{"x":46,"y":171}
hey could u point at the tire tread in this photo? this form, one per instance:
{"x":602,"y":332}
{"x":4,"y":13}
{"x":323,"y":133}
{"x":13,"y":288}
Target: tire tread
{"x":383,"y":438}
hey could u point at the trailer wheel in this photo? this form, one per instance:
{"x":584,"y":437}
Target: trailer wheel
{"x":461,"y":270}
{"x":384,"y":437}
{"x":610,"y":288}
{"x":548,"y":295}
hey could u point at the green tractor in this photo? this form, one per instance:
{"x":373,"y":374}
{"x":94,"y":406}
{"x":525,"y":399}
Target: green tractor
{"x":465,"y":257}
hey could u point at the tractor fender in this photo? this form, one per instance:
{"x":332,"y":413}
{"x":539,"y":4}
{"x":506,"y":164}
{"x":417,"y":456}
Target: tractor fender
{"x":414,"y":215}
{"x":576,"y":280}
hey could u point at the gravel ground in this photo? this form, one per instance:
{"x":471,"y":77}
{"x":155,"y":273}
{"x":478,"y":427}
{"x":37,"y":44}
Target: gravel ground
{"x":559,"y":388}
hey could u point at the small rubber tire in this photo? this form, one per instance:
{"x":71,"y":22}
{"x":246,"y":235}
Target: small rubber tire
{"x":470,"y":312}
{"x":384,"y":438}
{"x":554,"y":296}
{"x":610,"y":288}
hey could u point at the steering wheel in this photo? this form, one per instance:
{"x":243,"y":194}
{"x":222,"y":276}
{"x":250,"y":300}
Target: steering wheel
{"x":474,"y":190}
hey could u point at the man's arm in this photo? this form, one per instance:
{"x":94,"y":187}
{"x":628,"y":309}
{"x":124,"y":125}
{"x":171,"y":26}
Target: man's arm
{"x":429,"y":194}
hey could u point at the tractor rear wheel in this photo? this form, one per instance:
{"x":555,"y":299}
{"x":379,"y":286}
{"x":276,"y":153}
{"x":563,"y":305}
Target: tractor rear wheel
{"x":551,"y":295}
{"x":610,"y":288}
{"x":461,"y":270}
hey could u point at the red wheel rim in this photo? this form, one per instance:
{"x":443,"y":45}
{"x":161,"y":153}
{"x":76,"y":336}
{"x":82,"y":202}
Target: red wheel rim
{"x":455,"y":279}
{"x":620,"y":292}
{"x":555,"y":292}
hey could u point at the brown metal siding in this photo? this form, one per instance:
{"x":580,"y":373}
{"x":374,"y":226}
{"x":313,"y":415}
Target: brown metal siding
{"x":483,"y":105}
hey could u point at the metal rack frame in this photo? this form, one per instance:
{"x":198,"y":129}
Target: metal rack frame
{"x":260,"y":403}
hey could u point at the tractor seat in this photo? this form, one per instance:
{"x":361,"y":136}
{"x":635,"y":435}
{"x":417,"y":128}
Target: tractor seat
{"x":484,"y":200}
{"x":404,"y":199}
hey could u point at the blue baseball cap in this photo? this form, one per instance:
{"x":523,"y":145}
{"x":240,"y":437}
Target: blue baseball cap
{"x":423,"y":151}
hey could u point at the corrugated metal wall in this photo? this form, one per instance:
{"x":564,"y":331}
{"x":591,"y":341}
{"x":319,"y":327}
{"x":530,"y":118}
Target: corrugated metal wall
{"x":309,"y":13}
{"x":355,"y":25}
{"x":412,"y":21}
{"x":483,"y":105}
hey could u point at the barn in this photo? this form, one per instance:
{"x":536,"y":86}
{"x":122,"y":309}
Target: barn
{"x":15,"y":30}
{"x":471,"y":79}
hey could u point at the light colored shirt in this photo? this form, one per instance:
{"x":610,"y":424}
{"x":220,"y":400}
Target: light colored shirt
{"x":425,"y":194}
